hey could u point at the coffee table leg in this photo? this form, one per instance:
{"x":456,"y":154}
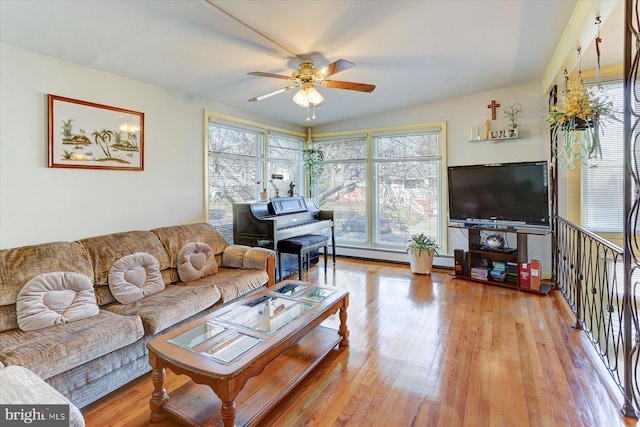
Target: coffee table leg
{"x":228,"y":413}
{"x":159,"y":396}
{"x":344,"y":331}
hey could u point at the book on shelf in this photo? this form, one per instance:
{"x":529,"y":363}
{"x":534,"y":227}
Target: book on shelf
{"x":480,"y":272}
{"x":534,"y":278}
{"x":525,"y":275}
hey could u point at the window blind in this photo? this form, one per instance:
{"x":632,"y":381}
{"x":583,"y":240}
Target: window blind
{"x":602,"y":186}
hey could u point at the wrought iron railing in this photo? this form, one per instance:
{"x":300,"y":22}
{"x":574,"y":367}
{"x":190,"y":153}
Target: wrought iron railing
{"x":590,"y":273}
{"x":631,"y":121}
{"x":600,"y":281}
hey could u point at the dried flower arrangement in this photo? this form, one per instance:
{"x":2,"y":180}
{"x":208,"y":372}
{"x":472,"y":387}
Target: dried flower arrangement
{"x":581,"y":108}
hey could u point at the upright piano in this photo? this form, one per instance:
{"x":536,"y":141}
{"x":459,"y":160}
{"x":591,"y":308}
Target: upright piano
{"x":265,"y":223}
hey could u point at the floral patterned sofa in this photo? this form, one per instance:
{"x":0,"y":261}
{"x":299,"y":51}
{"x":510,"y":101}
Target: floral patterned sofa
{"x":87,"y":358}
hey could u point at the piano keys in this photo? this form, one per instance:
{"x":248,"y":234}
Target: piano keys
{"x":265,"y":223}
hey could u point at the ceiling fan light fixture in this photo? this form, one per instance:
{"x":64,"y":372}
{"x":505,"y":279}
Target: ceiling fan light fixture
{"x":308,"y":96}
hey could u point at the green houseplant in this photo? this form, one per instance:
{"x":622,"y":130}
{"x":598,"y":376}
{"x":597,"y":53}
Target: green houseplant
{"x":313,"y":159}
{"x":422,"y":249}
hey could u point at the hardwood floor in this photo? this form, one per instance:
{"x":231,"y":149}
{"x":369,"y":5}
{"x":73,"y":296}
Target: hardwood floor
{"x":431,"y":351}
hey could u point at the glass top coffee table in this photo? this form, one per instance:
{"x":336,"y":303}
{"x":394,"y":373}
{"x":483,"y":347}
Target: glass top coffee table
{"x":228,"y":350}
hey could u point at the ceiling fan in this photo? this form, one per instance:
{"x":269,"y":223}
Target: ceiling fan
{"x":307,"y":77}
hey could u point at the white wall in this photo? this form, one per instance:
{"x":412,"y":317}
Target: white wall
{"x":461,"y":114}
{"x":40,"y":204}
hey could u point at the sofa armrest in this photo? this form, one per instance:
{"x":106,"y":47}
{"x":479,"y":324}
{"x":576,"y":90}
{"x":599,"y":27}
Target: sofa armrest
{"x":247,"y":257}
{"x":22,"y":387}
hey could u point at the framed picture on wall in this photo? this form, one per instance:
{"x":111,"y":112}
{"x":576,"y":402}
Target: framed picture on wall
{"x":93,"y":136}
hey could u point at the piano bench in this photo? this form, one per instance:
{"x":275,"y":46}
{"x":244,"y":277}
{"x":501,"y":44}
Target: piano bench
{"x":302,"y":246}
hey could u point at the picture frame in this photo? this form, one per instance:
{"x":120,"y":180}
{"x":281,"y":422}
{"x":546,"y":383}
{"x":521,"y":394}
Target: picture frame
{"x":87,"y":135}
{"x":503,"y":133}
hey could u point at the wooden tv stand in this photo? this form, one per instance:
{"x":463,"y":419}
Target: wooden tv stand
{"x":477,"y":252}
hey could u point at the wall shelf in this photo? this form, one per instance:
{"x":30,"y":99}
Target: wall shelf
{"x":493,"y":140}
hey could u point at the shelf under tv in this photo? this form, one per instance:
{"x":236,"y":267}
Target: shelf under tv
{"x":496,"y":250}
{"x":524,"y":229}
{"x":480,"y":255}
{"x":545,"y":288}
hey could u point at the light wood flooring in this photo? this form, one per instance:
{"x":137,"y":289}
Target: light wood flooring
{"x":431,"y":351}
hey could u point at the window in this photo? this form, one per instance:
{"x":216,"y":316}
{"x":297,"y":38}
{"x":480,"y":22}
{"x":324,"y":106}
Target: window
{"x":240,"y":162}
{"x":235,"y":163}
{"x":285,"y":158}
{"x":602,"y":186}
{"x":383,"y":186}
{"x":407,"y":177}
{"x":342,"y":187}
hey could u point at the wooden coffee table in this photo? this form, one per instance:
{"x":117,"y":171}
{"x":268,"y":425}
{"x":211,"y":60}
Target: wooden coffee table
{"x":250,"y":353}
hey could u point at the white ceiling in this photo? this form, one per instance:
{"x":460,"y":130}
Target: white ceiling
{"x":415,"y":52}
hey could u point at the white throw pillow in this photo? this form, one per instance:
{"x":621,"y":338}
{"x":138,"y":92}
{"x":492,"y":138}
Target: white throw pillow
{"x":196,"y":260}
{"x":134,"y":277}
{"x":55,"y":298}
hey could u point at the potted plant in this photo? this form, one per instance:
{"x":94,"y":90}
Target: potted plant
{"x":263,"y":194}
{"x":584,"y":109}
{"x":422,"y":249}
{"x":313,"y":159}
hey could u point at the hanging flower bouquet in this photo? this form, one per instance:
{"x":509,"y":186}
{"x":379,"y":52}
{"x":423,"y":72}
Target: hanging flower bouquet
{"x":580,"y":109}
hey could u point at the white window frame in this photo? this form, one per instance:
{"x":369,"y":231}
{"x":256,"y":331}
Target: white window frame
{"x":262,"y":156}
{"x":393,"y":254}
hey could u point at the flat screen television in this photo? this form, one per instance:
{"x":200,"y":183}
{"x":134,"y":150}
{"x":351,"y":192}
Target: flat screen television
{"x":503,"y":194}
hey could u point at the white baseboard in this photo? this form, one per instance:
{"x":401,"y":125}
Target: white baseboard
{"x":443,"y":261}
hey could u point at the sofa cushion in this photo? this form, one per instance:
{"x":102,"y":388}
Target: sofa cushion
{"x":19,"y":265}
{"x":103,"y":295}
{"x":233,"y":282}
{"x":20,"y":386}
{"x":196,"y":260}
{"x":174,"y":304}
{"x":135,"y":276}
{"x":8,"y":317}
{"x":48,"y":352}
{"x":106,"y":250}
{"x":51,"y":299}
{"x":241,"y":256}
{"x":176,"y":237}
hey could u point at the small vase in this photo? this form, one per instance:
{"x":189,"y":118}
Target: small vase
{"x":263,"y":196}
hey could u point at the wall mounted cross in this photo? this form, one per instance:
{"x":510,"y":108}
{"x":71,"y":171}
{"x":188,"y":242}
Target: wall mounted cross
{"x":493,"y":107}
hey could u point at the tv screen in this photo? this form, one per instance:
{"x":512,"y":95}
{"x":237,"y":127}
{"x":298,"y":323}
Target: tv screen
{"x":508,"y":194}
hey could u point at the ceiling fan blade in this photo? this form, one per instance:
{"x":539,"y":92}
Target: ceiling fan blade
{"x":275,"y":76}
{"x":333,"y":68}
{"x":267,"y":95}
{"x":362,"y":87}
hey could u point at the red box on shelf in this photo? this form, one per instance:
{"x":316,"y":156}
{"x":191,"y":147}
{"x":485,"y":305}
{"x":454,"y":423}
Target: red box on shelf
{"x":525,"y":275}
{"x":534,"y":277}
